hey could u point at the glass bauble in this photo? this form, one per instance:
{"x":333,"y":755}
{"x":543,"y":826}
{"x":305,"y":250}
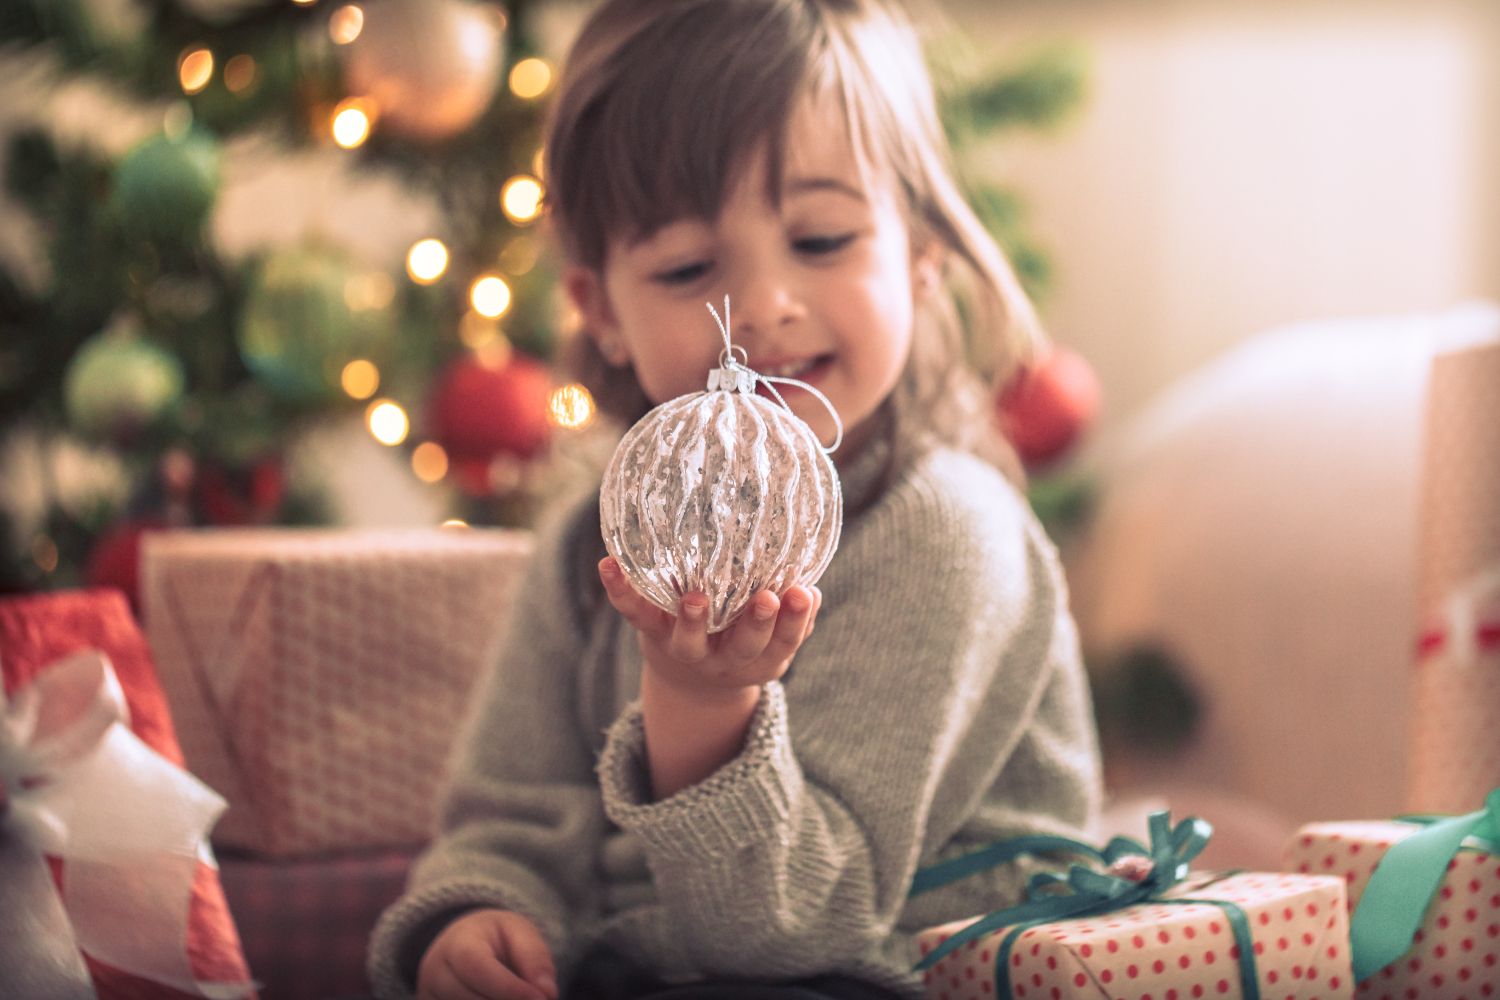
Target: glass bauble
{"x":299,"y":330}
{"x":480,"y":409}
{"x":431,"y":66}
{"x":117,"y":384}
{"x":164,"y":188}
{"x":724,"y":493}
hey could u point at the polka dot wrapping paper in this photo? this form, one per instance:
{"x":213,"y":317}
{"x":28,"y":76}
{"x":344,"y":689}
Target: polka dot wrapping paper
{"x":1456,"y":952}
{"x":1455,"y":699}
{"x":1167,"y":951}
{"x":317,"y":677}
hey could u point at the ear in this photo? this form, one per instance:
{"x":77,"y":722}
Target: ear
{"x":585,"y":287}
{"x":927,"y":268}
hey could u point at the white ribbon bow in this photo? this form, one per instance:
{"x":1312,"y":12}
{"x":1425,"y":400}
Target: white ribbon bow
{"x":130,"y":826}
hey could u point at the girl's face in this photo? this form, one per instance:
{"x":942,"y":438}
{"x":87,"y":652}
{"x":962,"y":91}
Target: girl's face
{"x":821,"y":288}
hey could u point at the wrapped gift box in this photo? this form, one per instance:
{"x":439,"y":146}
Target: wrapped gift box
{"x":1456,"y":952}
{"x":317,"y":677}
{"x":1168,"y":951}
{"x":37,"y":633}
{"x":1455,"y":705}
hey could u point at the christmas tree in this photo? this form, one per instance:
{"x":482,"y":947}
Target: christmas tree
{"x":193,"y":371}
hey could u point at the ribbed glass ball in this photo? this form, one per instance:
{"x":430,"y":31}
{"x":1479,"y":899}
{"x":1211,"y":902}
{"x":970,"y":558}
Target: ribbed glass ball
{"x":723,"y":493}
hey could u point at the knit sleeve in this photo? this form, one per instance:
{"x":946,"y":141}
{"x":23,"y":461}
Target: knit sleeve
{"x":942,"y":629}
{"x":521,"y":816}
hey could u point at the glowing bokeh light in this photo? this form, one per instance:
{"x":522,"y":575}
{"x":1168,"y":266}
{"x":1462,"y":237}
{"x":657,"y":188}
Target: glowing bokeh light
{"x":530,"y":78}
{"x":387,"y":422}
{"x":490,"y":296}
{"x":429,"y":462}
{"x":360,"y":378}
{"x":521,"y":198}
{"x":520,"y":255}
{"x":477,"y":331}
{"x":239,"y":73}
{"x":571,"y":407}
{"x":363,"y":292}
{"x":194,"y":69}
{"x":426,"y":261}
{"x":351,"y":121}
{"x":453,"y":523}
{"x":346,"y":24}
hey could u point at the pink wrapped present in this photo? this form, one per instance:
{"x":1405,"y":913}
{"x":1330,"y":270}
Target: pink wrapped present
{"x":1455,"y":705}
{"x":1168,"y":951}
{"x":1160,"y":933}
{"x":1425,"y":898}
{"x":317,"y":677}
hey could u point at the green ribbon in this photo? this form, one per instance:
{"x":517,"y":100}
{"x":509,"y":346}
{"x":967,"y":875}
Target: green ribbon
{"x":1088,"y":893}
{"x":1395,"y":900}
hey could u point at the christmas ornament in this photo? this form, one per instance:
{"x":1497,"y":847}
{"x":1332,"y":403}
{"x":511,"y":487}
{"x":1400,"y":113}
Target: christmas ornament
{"x":723,"y":493}
{"x":478,"y":412}
{"x":431,"y":66}
{"x":1046,"y":407}
{"x":164,"y":187}
{"x":298,"y":330}
{"x":117,"y":383}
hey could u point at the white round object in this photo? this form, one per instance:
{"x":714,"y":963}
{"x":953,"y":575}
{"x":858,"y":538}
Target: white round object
{"x":722,"y":493}
{"x":430,"y":66}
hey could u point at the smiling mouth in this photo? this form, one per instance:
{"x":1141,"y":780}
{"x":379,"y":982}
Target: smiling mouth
{"x":801,"y":368}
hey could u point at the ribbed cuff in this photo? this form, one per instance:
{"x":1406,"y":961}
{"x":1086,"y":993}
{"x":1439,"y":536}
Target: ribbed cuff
{"x":737,"y":806}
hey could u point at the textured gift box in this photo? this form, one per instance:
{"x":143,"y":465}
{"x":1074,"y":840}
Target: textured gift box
{"x":1455,"y":728}
{"x":1167,"y":951}
{"x":35,"y":632}
{"x":317,"y":677}
{"x":1456,"y":952}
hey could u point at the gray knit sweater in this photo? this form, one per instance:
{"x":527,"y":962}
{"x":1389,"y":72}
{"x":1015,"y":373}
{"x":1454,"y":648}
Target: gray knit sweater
{"x":940,"y":705}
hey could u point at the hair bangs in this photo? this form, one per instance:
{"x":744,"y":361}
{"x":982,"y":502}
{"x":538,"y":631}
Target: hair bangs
{"x":673,"y":117}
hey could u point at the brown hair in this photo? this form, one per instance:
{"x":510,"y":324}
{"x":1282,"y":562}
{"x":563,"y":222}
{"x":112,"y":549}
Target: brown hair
{"x":663,"y":103}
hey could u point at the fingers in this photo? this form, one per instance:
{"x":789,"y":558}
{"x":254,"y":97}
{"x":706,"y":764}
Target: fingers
{"x":792,"y":626}
{"x":634,"y":608}
{"x":747,"y":639}
{"x":488,"y":955}
{"x":689,"y":639}
{"x":528,"y":954}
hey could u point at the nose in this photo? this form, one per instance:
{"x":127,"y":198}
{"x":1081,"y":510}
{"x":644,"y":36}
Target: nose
{"x":766,"y":302}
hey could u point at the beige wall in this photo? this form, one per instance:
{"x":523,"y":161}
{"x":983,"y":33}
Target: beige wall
{"x":1240,"y":165}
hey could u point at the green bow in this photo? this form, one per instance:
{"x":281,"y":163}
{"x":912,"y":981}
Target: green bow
{"x":1392,"y":906}
{"x":1089,"y":893}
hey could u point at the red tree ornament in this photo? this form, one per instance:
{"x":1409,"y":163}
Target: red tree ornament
{"x":477,"y":411}
{"x":1046,"y":407}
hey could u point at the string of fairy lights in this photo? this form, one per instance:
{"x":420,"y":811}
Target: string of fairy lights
{"x":350,"y":123}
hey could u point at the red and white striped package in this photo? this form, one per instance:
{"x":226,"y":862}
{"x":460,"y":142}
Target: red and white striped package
{"x":1167,"y":951}
{"x":316,"y":677}
{"x":1455,"y":954}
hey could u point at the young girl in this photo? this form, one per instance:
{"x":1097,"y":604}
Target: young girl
{"x":639,"y":807}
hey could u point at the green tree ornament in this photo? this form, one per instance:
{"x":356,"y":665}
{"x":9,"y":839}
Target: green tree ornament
{"x":303,"y":322}
{"x":164,"y":188}
{"x":115,"y":385}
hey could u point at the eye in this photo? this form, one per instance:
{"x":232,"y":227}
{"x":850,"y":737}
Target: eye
{"x":818,"y":245}
{"x":686,"y":274}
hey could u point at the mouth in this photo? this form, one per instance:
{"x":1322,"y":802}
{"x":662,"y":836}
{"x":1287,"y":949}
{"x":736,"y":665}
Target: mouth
{"x":804,"y":369}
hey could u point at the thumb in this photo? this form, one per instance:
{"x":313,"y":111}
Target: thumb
{"x":528,"y":954}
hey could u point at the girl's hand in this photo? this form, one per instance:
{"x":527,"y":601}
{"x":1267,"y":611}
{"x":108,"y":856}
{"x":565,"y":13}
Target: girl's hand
{"x":710,"y":668}
{"x":488,"y":955}
{"x":699,"y":691}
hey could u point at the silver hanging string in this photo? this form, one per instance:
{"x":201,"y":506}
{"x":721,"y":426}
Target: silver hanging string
{"x":736,"y":375}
